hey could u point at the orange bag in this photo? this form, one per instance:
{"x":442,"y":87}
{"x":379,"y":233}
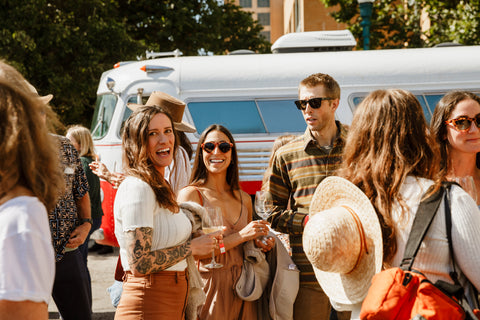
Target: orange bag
{"x":402,"y":293}
{"x":399,"y":294}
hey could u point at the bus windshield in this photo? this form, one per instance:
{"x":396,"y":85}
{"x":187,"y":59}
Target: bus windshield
{"x":104,"y":108}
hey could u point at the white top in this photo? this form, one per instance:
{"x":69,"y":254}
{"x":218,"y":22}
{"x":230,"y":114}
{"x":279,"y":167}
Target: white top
{"x":179,"y":171}
{"x":135,"y":207}
{"x":433,"y":258}
{"x":27,"y":261}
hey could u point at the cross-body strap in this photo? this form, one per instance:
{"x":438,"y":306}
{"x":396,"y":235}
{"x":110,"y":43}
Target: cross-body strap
{"x":422,"y":221}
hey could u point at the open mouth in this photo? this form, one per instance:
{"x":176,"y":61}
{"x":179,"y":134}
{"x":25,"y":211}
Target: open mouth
{"x":163,"y":152}
{"x":217,"y":161}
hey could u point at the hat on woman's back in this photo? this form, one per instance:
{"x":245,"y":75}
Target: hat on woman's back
{"x":172,"y":105}
{"x":343,"y":240}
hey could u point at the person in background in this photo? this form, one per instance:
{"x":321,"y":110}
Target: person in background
{"x":30,"y":182}
{"x":456,"y":125}
{"x":81,"y":139}
{"x":298,"y":167}
{"x":215,"y":183}
{"x":70,"y":223}
{"x":153,"y":232}
{"x":393,"y":158}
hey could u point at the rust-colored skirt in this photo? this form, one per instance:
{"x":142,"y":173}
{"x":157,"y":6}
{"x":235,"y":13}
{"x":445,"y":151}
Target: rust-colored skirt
{"x":156,"y":296}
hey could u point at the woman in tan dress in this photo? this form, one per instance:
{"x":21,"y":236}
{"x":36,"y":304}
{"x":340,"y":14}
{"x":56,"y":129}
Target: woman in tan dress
{"x":215,"y":183}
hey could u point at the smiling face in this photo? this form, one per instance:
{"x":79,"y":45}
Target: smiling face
{"x":469,"y":140}
{"x":217,"y":161}
{"x":161,"y":141}
{"x":317,"y":119}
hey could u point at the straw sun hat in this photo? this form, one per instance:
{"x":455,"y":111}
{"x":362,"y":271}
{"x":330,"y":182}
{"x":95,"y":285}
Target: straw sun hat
{"x":172,"y":105}
{"x":344,"y":262}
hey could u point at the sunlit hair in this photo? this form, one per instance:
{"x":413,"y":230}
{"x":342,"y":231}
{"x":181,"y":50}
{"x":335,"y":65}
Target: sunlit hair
{"x":83,"y":137}
{"x":442,"y":112}
{"x":279,"y":142}
{"x":387,"y":141}
{"x":29,"y":155}
{"x":136,"y":158}
{"x":200,"y":172}
{"x":331,"y":86}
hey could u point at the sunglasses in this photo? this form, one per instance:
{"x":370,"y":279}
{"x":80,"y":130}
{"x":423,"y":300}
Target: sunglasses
{"x":314,"y":103}
{"x":224,"y":147}
{"x":464,"y":123}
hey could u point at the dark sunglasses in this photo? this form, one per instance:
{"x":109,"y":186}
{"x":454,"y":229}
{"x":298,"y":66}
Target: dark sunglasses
{"x":464,"y":123}
{"x":224,"y":147}
{"x":314,"y":103}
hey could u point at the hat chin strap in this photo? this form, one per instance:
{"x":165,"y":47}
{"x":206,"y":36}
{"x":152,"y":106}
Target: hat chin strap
{"x":361,"y":231}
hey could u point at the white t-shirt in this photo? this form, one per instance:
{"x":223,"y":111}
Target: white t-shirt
{"x":135,"y":207}
{"x":27,"y":262}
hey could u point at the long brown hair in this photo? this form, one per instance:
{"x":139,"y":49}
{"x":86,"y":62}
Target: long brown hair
{"x":136,"y":159}
{"x":442,"y":112}
{"x":29,"y":155}
{"x":387,"y":141}
{"x":199,"y":171}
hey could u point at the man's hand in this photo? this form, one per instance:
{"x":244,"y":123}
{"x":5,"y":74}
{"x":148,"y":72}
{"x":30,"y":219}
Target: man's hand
{"x":78,"y":236}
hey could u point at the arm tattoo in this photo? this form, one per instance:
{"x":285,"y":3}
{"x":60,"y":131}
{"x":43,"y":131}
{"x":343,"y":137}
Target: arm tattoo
{"x":143,"y":260}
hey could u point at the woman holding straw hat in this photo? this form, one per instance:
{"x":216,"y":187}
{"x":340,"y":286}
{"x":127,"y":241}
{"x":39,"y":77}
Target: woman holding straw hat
{"x":392,"y":157}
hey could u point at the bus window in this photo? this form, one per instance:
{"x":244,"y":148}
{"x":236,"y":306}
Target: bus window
{"x":102,"y":116}
{"x":281,"y":116}
{"x":432,"y":100}
{"x":237,"y":116}
{"x":426,"y":111}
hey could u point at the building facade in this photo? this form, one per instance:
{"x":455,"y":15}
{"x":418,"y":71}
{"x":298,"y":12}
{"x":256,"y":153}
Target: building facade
{"x":279,"y":17}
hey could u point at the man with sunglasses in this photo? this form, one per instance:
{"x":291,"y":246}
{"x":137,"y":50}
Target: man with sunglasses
{"x":297,"y":169}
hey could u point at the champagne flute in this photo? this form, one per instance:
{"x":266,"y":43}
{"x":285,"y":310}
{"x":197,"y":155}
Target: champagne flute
{"x":468,"y":184}
{"x":212,"y":222}
{"x":263,"y":207}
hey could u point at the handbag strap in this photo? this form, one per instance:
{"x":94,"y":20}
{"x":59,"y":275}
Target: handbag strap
{"x":423,"y":219}
{"x":453,"y":274}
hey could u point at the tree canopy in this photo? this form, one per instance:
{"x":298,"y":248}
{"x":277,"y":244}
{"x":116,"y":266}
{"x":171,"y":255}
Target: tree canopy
{"x":398,"y":24}
{"x":62,"y":47}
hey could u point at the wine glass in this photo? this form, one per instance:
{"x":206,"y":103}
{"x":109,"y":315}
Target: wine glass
{"x":212,"y":222}
{"x":468,"y":184}
{"x":263,"y":206}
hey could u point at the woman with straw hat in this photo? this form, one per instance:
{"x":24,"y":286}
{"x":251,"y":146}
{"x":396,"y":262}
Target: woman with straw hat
{"x":392,"y":157}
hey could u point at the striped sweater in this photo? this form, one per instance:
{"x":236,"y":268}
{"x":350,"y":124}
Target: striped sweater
{"x":298,"y":168}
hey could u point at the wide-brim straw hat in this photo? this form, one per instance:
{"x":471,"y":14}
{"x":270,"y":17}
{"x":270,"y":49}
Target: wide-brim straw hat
{"x":172,"y":105}
{"x":344,"y":262}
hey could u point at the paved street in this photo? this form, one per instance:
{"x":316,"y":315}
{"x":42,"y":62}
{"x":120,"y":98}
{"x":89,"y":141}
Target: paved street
{"x":102,"y":268}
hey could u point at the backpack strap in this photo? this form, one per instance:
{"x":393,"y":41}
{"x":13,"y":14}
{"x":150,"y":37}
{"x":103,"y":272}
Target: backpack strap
{"x":422,"y":221}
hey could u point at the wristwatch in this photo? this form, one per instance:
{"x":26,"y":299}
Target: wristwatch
{"x":89,"y":220}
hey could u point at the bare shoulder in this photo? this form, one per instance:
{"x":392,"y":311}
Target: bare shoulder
{"x":189,"y":193}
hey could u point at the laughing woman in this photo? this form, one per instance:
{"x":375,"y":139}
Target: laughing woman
{"x":153,"y":232}
{"x":215,"y":183}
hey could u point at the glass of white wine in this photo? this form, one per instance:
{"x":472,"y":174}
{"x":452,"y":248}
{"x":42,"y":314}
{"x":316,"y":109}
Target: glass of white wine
{"x":263,"y":206}
{"x":212,"y":222}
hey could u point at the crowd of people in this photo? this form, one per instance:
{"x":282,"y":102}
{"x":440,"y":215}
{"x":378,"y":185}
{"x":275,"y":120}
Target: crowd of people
{"x":385,"y":163}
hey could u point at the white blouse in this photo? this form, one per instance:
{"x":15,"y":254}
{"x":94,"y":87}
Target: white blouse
{"x":433,"y":258}
{"x":135,"y":207}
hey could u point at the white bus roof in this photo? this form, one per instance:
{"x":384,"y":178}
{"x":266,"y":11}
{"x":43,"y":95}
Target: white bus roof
{"x":280,"y":74}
